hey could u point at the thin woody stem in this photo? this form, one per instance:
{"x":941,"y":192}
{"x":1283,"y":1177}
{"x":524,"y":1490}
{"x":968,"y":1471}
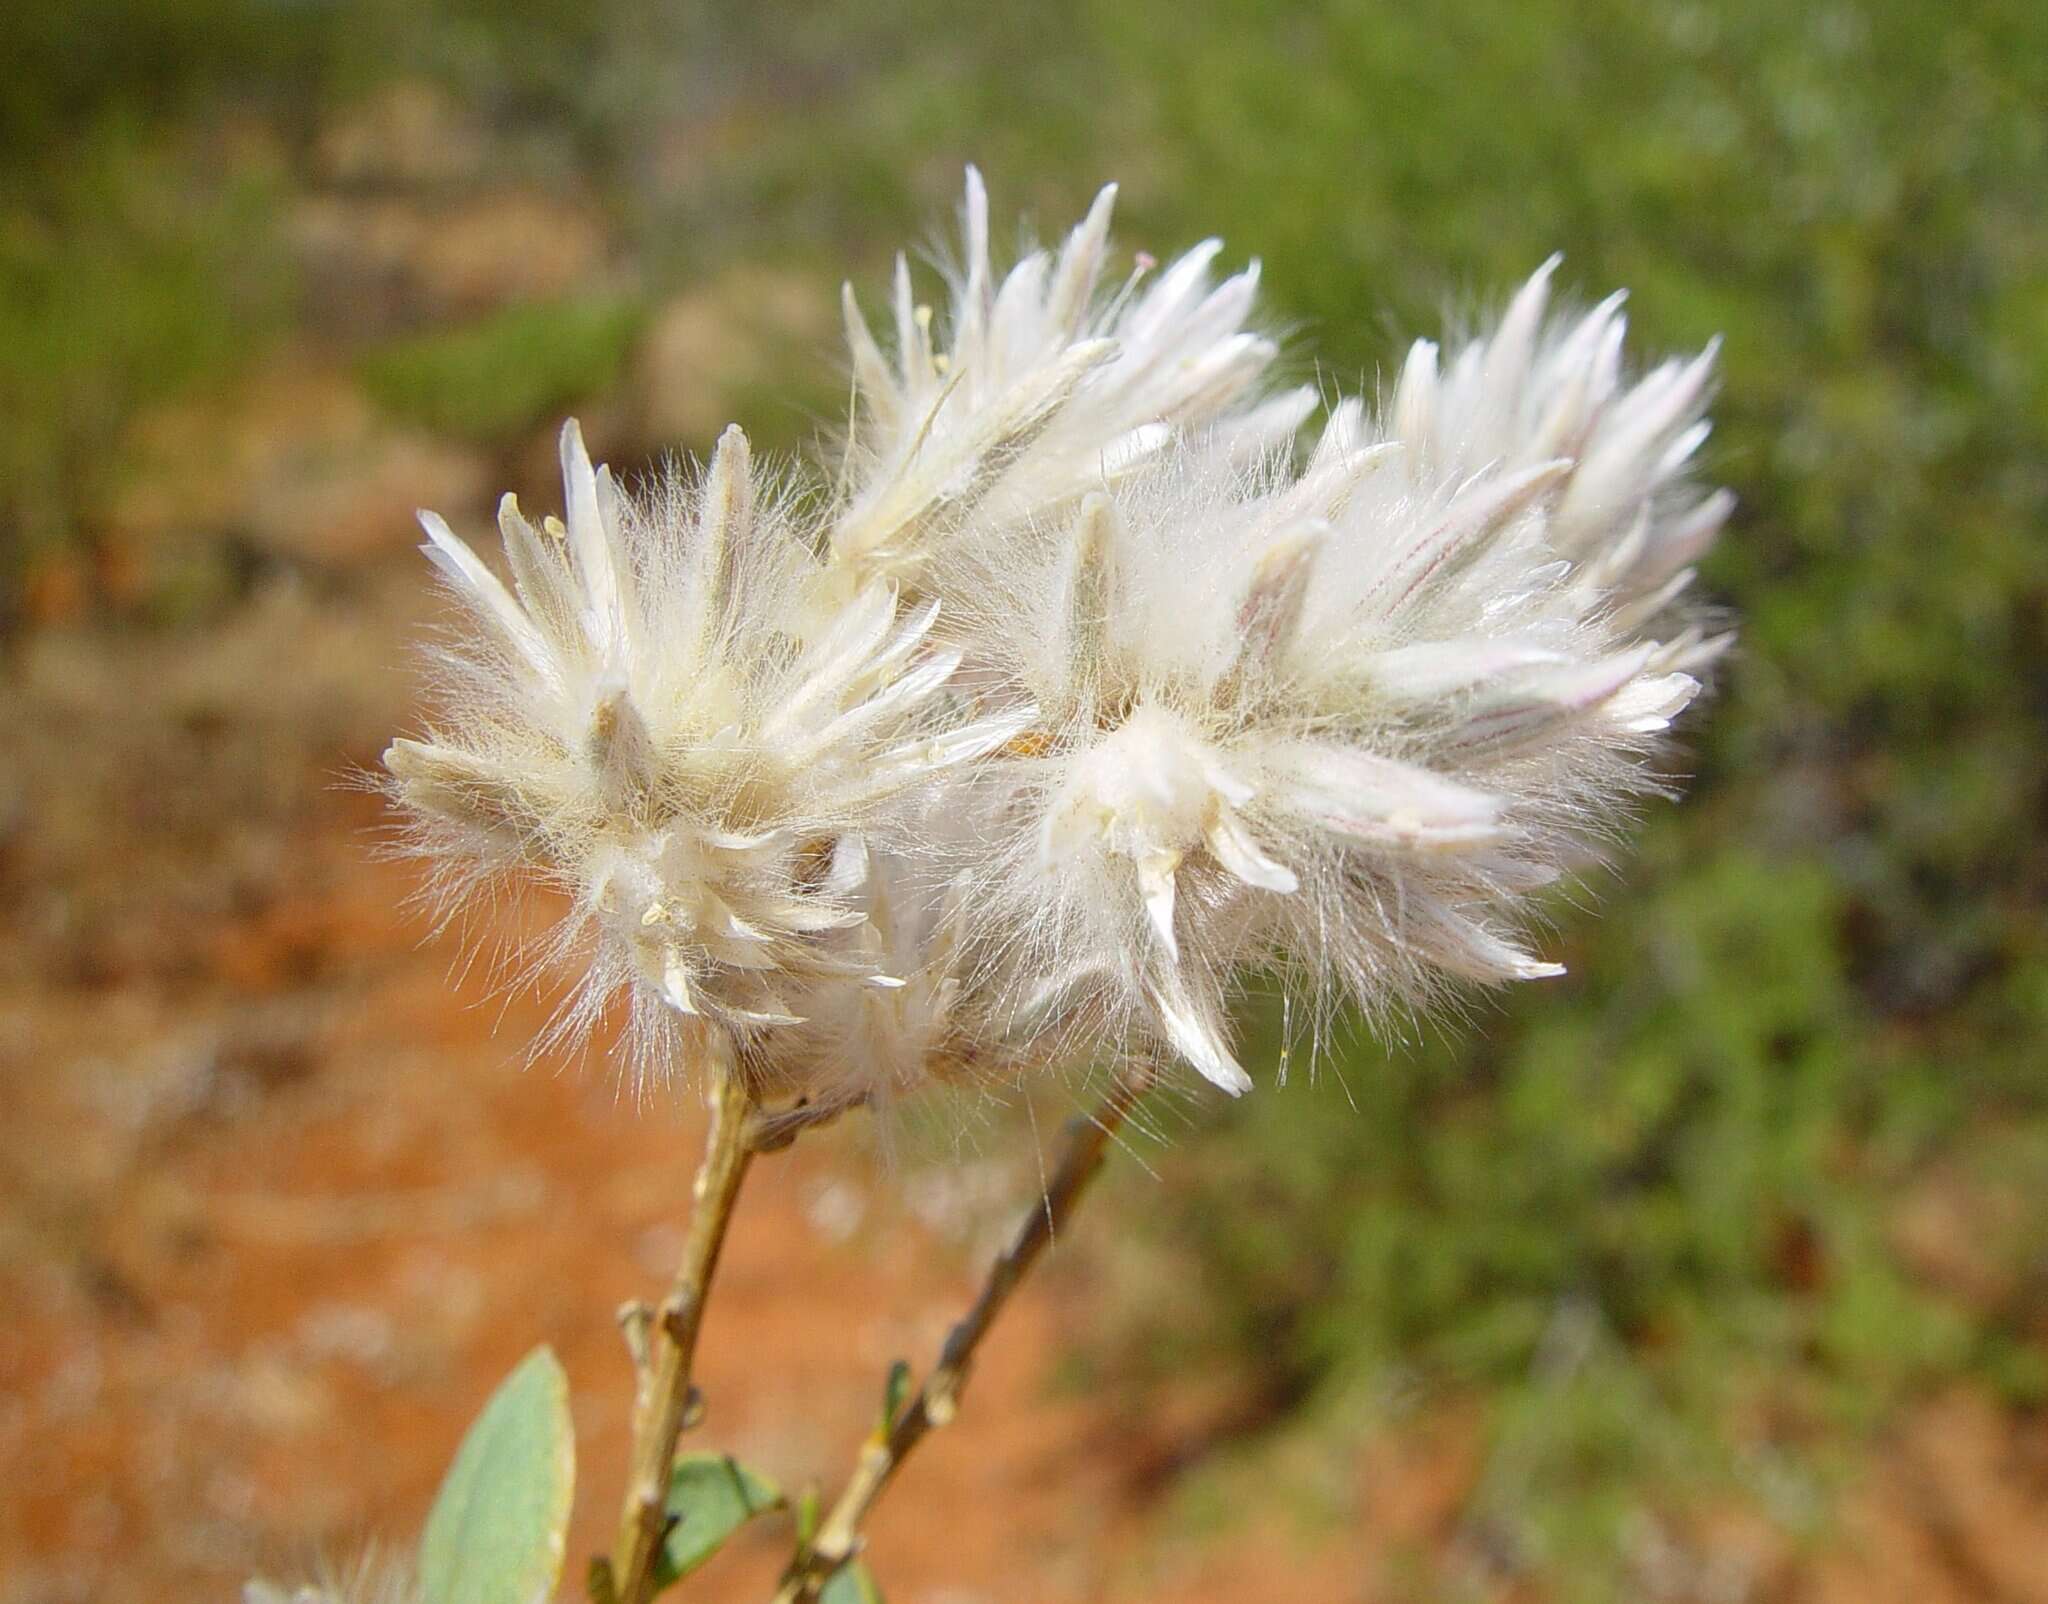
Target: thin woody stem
{"x":665,"y":1345}
{"x":1083,"y":1146}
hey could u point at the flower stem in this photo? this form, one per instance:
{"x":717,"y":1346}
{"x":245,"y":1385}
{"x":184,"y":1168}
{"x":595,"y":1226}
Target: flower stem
{"x":665,"y":1344}
{"x":1083,"y":1146}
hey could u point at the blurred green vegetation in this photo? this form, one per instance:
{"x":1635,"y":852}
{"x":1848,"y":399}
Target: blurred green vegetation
{"x":124,"y":277}
{"x":490,"y":379}
{"x":1820,"y":988}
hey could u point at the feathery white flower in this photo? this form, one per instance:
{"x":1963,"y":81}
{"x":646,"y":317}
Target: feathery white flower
{"x":644,"y":721}
{"x":1082,"y":697}
{"x":1541,"y":387}
{"x":1327,"y":722}
{"x":1041,"y":388}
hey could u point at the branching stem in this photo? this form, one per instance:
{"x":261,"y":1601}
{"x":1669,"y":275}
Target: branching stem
{"x":1083,"y":1146}
{"x":664,"y":1344}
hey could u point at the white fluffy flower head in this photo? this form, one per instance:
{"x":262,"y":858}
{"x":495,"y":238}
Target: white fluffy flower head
{"x":652,"y":721}
{"x":1083,"y":693}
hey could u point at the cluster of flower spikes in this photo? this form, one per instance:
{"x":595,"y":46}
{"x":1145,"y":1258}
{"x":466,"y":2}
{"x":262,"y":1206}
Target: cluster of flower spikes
{"x":1086,"y":692}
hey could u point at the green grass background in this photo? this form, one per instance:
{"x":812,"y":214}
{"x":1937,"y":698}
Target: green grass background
{"x":1820,"y":983}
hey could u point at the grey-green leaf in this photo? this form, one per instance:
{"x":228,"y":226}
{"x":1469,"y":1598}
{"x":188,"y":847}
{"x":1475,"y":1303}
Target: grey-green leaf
{"x":710,"y":1496}
{"x":500,"y":1522}
{"x":852,"y":1583}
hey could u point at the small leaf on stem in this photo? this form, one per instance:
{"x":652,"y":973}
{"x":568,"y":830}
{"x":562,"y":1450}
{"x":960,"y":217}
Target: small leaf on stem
{"x":852,"y":1583}
{"x":710,"y":1496}
{"x":895,"y":1391}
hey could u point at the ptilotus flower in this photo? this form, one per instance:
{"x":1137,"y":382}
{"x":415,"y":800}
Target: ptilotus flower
{"x":1081,"y":693}
{"x":648,"y":721}
{"x":1326,"y":722}
{"x":1038,"y":389}
{"x":1625,"y":510}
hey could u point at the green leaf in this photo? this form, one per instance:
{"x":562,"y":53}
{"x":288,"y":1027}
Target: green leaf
{"x":500,"y":1522}
{"x":710,"y":1496}
{"x":852,"y":1583}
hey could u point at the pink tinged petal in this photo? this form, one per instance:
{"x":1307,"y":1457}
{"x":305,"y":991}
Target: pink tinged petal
{"x":1620,"y":462}
{"x":1235,"y":849}
{"x":1380,"y":801}
{"x":1343,"y":457}
{"x":1534,"y":705}
{"x":1570,"y":374}
{"x":1433,"y":669}
{"x":1080,"y":266}
{"x":1195,"y":1031}
{"x":1685,"y":538}
{"x":486,"y":596}
{"x":1605,"y":569}
{"x":1646,"y":607}
{"x":1269,"y":616}
{"x":1168,"y":301}
{"x":1465,"y":529}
